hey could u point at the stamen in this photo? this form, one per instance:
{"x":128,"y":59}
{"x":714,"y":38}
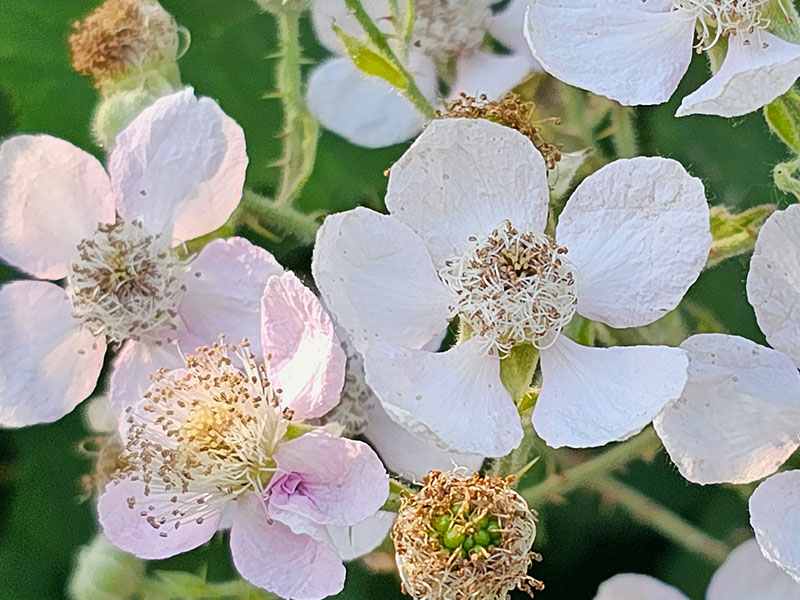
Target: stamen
{"x":513,"y":287}
{"x":204,"y":435}
{"x":125,"y":282}
{"x":719,"y":18}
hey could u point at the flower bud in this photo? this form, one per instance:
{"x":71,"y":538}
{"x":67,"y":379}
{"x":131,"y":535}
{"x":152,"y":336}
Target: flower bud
{"x":123,"y":40}
{"x":465,"y":538}
{"x":104,"y":572}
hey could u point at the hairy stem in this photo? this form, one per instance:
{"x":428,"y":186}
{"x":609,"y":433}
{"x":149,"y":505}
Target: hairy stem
{"x":643,"y":445}
{"x":625,"y":141}
{"x":300,"y":128}
{"x":649,"y":512}
{"x":378,"y":39}
{"x":286,"y":219}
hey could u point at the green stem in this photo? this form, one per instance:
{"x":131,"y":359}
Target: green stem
{"x":300,"y":128}
{"x":195,"y":588}
{"x":624,"y":131}
{"x":378,"y":39}
{"x":283,"y":218}
{"x":647,"y":511}
{"x":643,"y":445}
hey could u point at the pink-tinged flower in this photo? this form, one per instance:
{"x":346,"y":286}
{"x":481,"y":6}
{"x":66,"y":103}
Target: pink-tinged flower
{"x":744,"y":575}
{"x":446,"y":42}
{"x":636,"y":52}
{"x":114,"y":238}
{"x":467,"y":200}
{"x":224,"y":432}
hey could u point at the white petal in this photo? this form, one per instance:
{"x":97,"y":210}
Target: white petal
{"x":407,"y":455}
{"x":224,"y":286}
{"x":775,"y":517}
{"x":491,"y":74}
{"x":363,"y":109}
{"x":327,"y":13}
{"x":179,"y":166}
{"x":751,"y":76}
{"x":507,"y":27}
{"x":463,"y":177}
{"x":631,"y":586}
{"x":773,"y":284}
{"x":454,"y":399}
{"x":738,"y":417}
{"x":52,"y":196}
{"x":48,"y":362}
{"x":377,"y":279}
{"x":623,"y":49}
{"x":362,"y":538}
{"x":638,"y":231}
{"x":747,"y":575}
{"x":592,"y":396}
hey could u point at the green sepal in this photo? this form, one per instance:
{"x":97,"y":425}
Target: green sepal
{"x":785,"y":177}
{"x":369,"y":61}
{"x":734,"y":234}
{"x":517,"y":369}
{"x":783,"y":118}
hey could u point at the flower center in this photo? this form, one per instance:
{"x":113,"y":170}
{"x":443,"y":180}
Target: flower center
{"x":445,"y":28}
{"x":512,"y":287}
{"x":718,"y":18}
{"x":206,"y":434}
{"x":125,"y":281}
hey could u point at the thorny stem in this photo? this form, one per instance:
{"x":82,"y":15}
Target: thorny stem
{"x":672,"y":526}
{"x":643,"y":445}
{"x":377,"y":37}
{"x":300,"y":128}
{"x":283,"y":218}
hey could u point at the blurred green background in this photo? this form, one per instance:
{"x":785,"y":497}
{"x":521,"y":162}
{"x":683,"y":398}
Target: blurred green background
{"x":583,"y":540}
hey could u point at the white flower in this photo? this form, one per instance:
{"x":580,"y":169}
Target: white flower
{"x":738,"y":419}
{"x":470,"y":197}
{"x":637,"y":52}
{"x":447,"y":35}
{"x":744,"y":575}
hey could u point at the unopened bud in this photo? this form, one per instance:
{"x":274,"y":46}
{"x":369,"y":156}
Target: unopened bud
{"x":124,"y":39}
{"x":104,"y":572}
{"x":465,"y":538}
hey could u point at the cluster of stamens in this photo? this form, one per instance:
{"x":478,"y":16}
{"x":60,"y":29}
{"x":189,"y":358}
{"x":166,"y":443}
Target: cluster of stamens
{"x":720,"y":18}
{"x":465,"y":537}
{"x":125,"y":282}
{"x":512,"y":287}
{"x":445,"y":28}
{"x":203,"y":435}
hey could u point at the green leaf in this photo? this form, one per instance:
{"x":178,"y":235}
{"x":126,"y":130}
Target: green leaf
{"x":735,"y":233}
{"x":517,"y":369}
{"x":370,"y":61}
{"x":783,"y":118}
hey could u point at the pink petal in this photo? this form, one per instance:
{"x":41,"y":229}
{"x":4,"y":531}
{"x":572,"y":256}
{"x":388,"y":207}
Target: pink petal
{"x":135,"y":363}
{"x":326,"y":480}
{"x":48,"y":362}
{"x":303,"y":355}
{"x":128,"y":530}
{"x":268,"y":554}
{"x":224,"y":286}
{"x":179,"y":166}
{"x":52,"y":196}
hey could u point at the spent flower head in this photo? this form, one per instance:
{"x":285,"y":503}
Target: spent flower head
{"x":122,"y":39}
{"x":465,"y":537}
